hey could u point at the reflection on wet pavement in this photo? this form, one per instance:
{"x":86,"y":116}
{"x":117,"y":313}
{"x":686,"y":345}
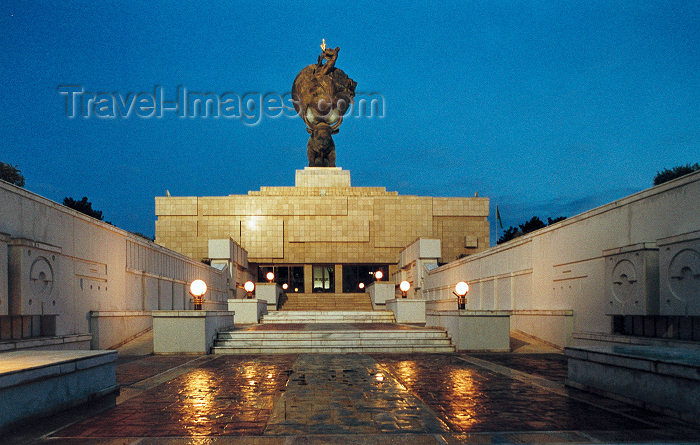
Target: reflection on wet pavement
{"x":475,"y":399}
{"x":357,"y":398}
{"x":347,"y":394}
{"x":230,"y":395}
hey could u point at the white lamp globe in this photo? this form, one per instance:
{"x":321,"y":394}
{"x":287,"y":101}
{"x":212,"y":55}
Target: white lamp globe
{"x":198,"y":288}
{"x":461,"y":288}
{"x":249,"y":286}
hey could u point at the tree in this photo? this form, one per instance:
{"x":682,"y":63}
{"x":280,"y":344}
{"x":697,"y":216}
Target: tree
{"x":528,"y":226}
{"x":531,"y":225}
{"x":510,"y":233}
{"x":83,"y":206}
{"x":551,"y":221}
{"x":667,"y":174}
{"x":11,"y":174}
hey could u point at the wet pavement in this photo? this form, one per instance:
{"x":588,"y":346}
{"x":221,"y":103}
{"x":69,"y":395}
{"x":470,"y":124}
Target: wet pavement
{"x":352,"y":398}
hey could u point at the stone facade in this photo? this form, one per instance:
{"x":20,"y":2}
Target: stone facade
{"x":323,"y":219}
{"x":66,"y":274}
{"x":650,"y":238}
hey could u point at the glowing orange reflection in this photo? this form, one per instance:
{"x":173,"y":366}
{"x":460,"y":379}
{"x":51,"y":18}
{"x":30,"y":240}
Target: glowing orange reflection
{"x":408,"y":370}
{"x":463,"y":388}
{"x":197,"y":397}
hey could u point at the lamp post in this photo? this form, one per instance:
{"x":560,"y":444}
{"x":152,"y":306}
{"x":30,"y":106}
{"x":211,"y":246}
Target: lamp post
{"x":361,"y":286}
{"x":378,"y":275}
{"x":270,"y":276}
{"x":197,"y":289}
{"x":249,"y":287}
{"x":404,"y":287}
{"x":461,"y":290}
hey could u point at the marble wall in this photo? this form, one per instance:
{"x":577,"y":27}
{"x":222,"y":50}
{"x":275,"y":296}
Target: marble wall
{"x":67,"y":264}
{"x":563,"y":267}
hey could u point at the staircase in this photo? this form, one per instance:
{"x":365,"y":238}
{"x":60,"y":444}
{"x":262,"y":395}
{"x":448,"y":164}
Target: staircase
{"x":307,"y":317}
{"x":327,"y":302}
{"x":341,"y":340}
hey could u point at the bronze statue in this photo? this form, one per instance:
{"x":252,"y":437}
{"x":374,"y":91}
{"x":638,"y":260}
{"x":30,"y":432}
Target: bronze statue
{"x":322,"y":94}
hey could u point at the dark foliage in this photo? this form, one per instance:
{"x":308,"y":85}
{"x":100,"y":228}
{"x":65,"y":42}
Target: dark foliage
{"x":528,"y":226}
{"x":551,"y":221}
{"x":11,"y":174}
{"x":83,"y":206}
{"x":676,"y":172}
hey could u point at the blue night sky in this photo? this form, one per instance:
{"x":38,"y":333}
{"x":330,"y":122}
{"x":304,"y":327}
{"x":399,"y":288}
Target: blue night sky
{"x":547,"y":108}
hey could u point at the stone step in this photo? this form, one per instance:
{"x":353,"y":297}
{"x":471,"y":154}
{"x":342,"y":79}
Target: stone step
{"x":332,"y":343}
{"x":324,"y":302}
{"x":441,"y":349}
{"x":309,"y":321}
{"x":354,"y":312}
{"x":330,"y":335}
{"x":310,"y":317}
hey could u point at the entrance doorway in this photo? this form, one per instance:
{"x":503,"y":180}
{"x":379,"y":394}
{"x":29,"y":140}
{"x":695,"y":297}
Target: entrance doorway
{"x":323,"y":278}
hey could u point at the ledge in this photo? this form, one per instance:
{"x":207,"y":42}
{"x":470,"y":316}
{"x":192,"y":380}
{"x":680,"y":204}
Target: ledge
{"x":42,"y":341}
{"x":21,"y":367}
{"x":544,"y":312}
{"x":655,"y":359}
{"x":96,"y":314}
{"x":470,"y":313}
{"x":190,"y":313}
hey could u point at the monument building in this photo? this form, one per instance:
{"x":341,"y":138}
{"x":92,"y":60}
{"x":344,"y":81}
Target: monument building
{"x":322,"y":235}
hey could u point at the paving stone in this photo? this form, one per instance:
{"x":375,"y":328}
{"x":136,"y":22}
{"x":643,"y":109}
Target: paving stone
{"x":229,"y":395}
{"x":354,"y":399}
{"x":347,"y":394}
{"x":549,"y":366}
{"x":474,"y":399}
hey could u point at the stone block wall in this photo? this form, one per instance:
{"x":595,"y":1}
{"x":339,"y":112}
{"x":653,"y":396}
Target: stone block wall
{"x":562,"y":267}
{"x":322,"y":220}
{"x":69,"y":265}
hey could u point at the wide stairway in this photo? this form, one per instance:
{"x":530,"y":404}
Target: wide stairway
{"x":327,"y":302}
{"x":333,"y":338}
{"x":283,"y":332}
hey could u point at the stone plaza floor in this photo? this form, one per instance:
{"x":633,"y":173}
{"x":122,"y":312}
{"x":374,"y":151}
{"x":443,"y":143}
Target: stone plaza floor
{"x":349,"y":399}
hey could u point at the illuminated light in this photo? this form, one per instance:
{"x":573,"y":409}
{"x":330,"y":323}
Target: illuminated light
{"x":249,"y":287}
{"x":404,"y":287}
{"x":362,"y":285}
{"x":461,"y":288}
{"x":285,"y":286}
{"x":296,"y":289}
{"x":378,"y":275}
{"x":270,"y":276}
{"x":198,"y":288}
{"x":379,"y":376}
{"x":269,"y":376}
{"x":251,"y":382}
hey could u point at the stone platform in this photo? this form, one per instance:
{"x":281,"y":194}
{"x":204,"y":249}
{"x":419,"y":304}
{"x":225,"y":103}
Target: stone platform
{"x":353,"y":399}
{"x":35,"y":383}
